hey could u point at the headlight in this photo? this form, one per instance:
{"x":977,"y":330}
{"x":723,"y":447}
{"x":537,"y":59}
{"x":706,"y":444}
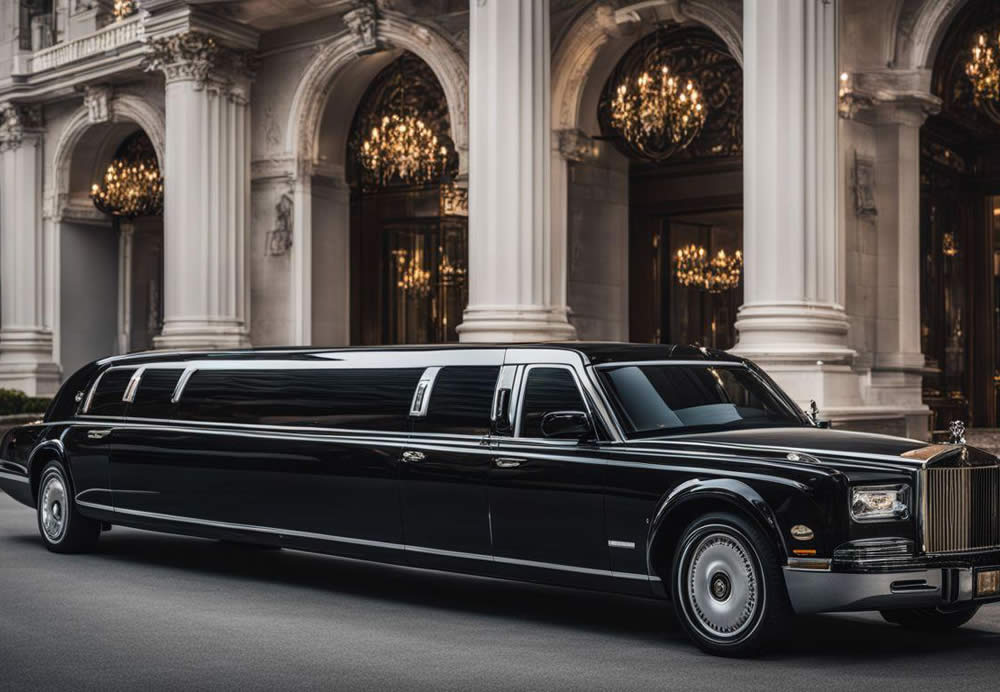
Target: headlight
{"x":880,"y":502}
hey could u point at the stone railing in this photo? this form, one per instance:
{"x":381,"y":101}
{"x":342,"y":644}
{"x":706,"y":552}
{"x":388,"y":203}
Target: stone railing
{"x":110,"y":38}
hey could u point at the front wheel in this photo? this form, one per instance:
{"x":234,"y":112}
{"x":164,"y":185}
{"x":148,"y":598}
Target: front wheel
{"x":728,"y":589}
{"x":63,"y":528}
{"x":931,"y":619}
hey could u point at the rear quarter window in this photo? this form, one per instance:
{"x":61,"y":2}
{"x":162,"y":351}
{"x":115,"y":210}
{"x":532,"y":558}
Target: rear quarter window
{"x":107,"y":399}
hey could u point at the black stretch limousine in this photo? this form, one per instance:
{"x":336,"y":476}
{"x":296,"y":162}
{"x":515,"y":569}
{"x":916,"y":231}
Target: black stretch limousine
{"x":670,"y":472}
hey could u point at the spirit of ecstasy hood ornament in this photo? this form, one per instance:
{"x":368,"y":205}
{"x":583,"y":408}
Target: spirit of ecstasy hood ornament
{"x":957,"y":430}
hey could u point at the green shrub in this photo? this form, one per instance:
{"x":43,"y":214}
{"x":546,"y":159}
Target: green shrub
{"x":13,"y":401}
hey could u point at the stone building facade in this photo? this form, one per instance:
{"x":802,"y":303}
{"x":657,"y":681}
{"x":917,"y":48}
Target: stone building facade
{"x":252,"y":110}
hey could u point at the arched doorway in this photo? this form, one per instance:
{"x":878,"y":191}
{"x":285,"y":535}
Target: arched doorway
{"x":960,"y":234}
{"x":686,"y":198}
{"x":110,"y":274}
{"x":409,"y":235}
{"x":625,"y":213}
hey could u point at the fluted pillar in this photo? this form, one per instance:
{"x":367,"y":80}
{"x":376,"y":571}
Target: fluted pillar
{"x":206,"y":192}
{"x":516,"y":263}
{"x":25,"y":331}
{"x":793,"y":320}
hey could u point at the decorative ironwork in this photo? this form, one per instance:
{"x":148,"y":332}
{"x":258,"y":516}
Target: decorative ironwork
{"x":695,"y":268}
{"x":279,"y":239}
{"x":400,"y":129}
{"x":132,"y":184}
{"x":688,"y":53}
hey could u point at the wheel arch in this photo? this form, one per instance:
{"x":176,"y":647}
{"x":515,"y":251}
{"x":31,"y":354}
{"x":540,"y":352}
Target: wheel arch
{"x":50,"y":450}
{"x":695,"y":498}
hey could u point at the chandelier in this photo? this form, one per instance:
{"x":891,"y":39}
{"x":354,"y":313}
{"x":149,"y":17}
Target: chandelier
{"x":403,"y":147}
{"x":983,"y":68}
{"x":657,"y":111}
{"x":132,"y":184}
{"x":123,"y":9}
{"x":693,"y":267}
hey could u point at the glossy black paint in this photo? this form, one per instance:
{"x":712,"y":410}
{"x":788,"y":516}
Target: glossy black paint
{"x":598,"y":512}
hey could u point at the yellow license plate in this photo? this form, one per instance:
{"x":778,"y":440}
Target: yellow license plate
{"x":988,"y":583}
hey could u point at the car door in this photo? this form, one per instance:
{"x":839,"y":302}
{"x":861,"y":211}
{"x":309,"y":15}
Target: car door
{"x":444,"y":470}
{"x":88,"y":442}
{"x":546,"y":495}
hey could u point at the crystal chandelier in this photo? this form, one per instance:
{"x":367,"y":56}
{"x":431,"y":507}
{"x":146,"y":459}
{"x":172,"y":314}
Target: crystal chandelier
{"x":693,"y":267}
{"x":412,"y":278}
{"x":983,"y":68}
{"x":123,"y":9}
{"x":132,"y":184}
{"x":657,"y":107}
{"x":403,"y":147}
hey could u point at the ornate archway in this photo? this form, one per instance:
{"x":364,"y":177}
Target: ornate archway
{"x":355,"y":52}
{"x":91,"y":266}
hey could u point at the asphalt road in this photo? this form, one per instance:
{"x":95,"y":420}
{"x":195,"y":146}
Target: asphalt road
{"x":151,"y":611}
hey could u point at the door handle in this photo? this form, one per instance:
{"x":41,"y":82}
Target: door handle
{"x":508,"y":462}
{"x":98,"y":434}
{"x":413,"y":457}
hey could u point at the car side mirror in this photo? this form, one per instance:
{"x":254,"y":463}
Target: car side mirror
{"x":566,"y":425}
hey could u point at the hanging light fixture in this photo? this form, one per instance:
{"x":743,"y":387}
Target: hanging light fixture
{"x":123,"y":9}
{"x":695,"y":268}
{"x":656,"y":110}
{"x":401,"y":146}
{"x":983,"y":67}
{"x":132,"y":185}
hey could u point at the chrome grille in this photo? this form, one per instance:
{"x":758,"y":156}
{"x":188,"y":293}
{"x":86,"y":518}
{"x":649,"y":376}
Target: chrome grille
{"x":961,"y":509}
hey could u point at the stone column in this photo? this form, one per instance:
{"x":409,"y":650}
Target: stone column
{"x":793,"y":321}
{"x":25,"y":331}
{"x":206,"y":192}
{"x":516,"y":275}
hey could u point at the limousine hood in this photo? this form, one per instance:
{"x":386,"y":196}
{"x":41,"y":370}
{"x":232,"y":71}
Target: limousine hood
{"x":838,"y":448}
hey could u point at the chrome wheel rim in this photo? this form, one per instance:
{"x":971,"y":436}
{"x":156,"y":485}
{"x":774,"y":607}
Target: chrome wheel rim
{"x":54,"y":508}
{"x":723,"y":589}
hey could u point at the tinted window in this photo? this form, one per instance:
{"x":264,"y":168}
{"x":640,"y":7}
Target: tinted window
{"x":460,"y":401}
{"x":666,"y":399}
{"x":547,"y":390}
{"x":367,"y":399}
{"x":152,"y":398}
{"x":107,"y":399}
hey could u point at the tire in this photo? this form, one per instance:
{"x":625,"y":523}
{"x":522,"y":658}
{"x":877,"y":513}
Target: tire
{"x":63,"y":528}
{"x":728,"y":588}
{"x":931,"y":619}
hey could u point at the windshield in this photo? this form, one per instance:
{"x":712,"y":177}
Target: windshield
{"x":668,"y":399}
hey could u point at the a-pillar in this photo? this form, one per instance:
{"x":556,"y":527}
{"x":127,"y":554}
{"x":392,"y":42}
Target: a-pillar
{"x":516,"y":263}
{"x":793,"y":322}
{"x":206,"y":192}
{"x":25,"y":332}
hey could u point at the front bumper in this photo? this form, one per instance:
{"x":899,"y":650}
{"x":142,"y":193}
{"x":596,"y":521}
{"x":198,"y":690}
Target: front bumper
{"x":824,"y":591}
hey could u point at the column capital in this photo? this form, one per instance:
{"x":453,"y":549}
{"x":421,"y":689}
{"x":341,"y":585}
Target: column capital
{"x":575,"y":145}
{"x":886,"y":96}
{"x":15,"y":121}
{"x":195,"y":56}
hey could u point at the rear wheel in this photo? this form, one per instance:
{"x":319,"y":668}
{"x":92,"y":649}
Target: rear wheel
{"x":63,"y":528}
{"x":728,"y":589}
{"x":931,"y":619}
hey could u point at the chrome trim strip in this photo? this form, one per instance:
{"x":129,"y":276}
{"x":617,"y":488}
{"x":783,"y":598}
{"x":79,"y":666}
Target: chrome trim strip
{"x":133,"y":384}
{"x":706,"y":363}
{"x":422,"y":392}
{"x":15,"y":477}
{"x":363,"y":542}
{"x":181,"y":383}
{"x":630,"y":545}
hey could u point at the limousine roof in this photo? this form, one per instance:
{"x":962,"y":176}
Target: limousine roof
{"x":593,"y":352}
